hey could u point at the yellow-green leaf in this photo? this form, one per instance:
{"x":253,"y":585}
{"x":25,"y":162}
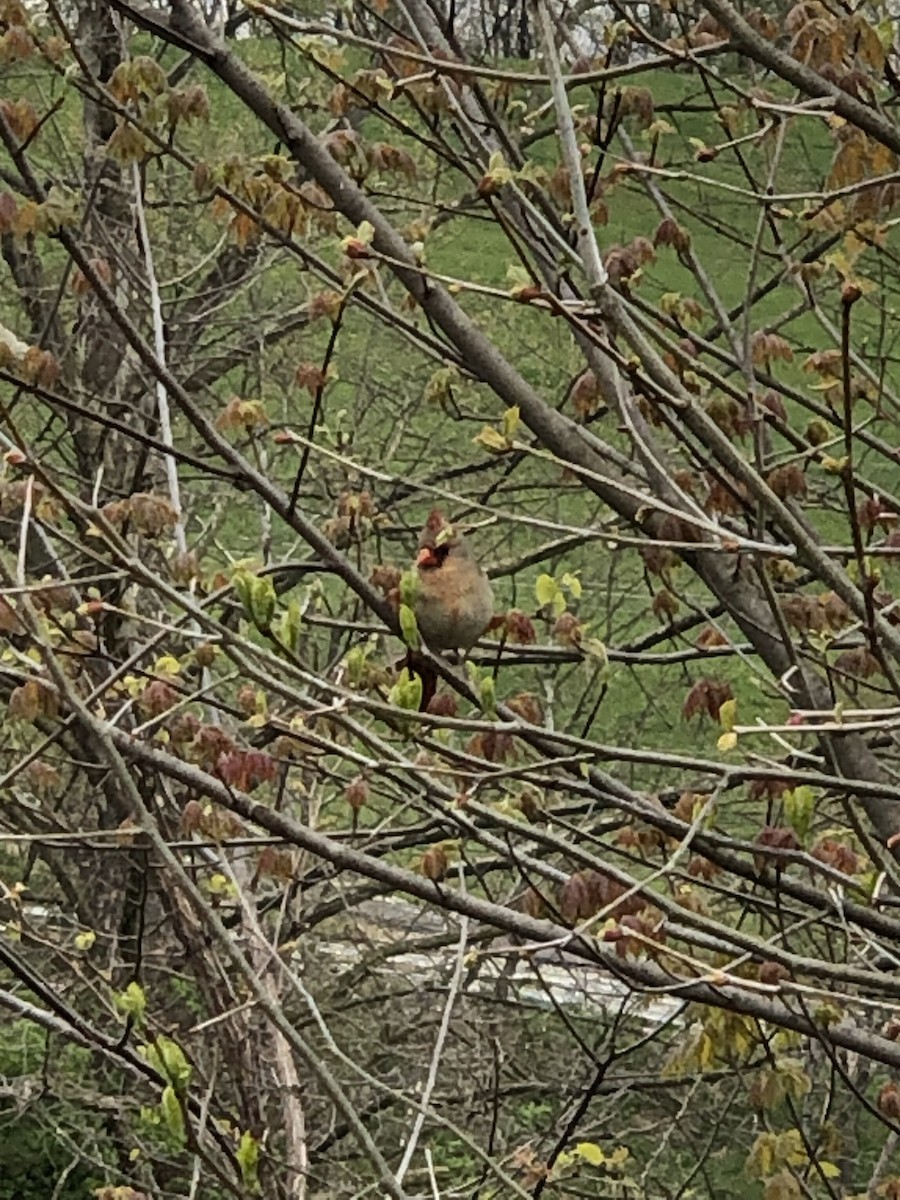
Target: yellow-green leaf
{"x":591,"y":1153}
{"x":493,"y":440}
{"x":546,"y":589}
{"x":132,"y":1002}
{"x":510,"y":422}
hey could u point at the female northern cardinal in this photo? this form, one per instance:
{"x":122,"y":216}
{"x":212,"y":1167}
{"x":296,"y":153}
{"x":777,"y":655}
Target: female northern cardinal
{"x":454,"y":601}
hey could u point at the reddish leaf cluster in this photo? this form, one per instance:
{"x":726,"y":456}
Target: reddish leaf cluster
{"x":589,"y":891}
{"x":765,"y":348}
{"x":568,"y":630}
{"x":889,"y":1100}
{"x":491,"y":746}
{"x":210,"y":821}
{"x":665,"y":605}
{"x":310,"y":375}
{"x":646,"y":925}
{"x":771,"y":403}
{"x":245,"y":769}
{"x":157,"y":698}
{"x":771,"y":973}
{"x":659,"y":559}
{"x":385,"y":157}
{"x":709,"y":638}
{"x":33,"y":699}
{"x":243,"y":416}
{"x":814,"y":614}
{"x":518,"y":628}
{"x":730,"y":415}
{"x":584,"y":392}
{"x":768,"y":789}
{"x":705,"y":698}
{"x":346,"y":147}
{"x":443,"y":704}
{"x":788,"y":481}
{"x":387,"y":580}
{"x":702,"y":868}
{"x":838,"y":855}
{"x":644,"y":838}
{"x":670,"y":233}
{"x":435,"y":863}
{"x":356,"y":793}
{"x":873,"y":511}
{"x":623,"y":262}
{"x":527,"y":706}
{"x":725,"y":496}
{"x":276,"y":864}
{"x":774,"y":837}
{"x":636,"y":102}
{"x":859,"y":662}
{"x":210,"y":742}
{"x":43,"y":778}
{"x":146,"y":512}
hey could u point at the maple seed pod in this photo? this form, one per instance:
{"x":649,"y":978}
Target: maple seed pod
{"x":354,"y":248}
{"x":850,"y":293}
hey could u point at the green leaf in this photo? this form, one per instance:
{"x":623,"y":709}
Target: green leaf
{"x":409,"y":627}
{"x":406,"y":692}
{"x":290,"y":625}
{"x":799,"y":806}
{"x":262,"y":601}
{"x":488,"y":696}
{"x":133,"y":1001}
{"x":247,"y":1155}
{"x":241,"y":582}
{"x":172,"y":1113}
{"x":409,"y":588}
{"x":167,"y":1057}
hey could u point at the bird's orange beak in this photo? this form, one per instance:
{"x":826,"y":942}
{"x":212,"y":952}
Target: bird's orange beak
{"x":426,"y":557}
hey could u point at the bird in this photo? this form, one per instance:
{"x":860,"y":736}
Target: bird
{"x":454,"y":602}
